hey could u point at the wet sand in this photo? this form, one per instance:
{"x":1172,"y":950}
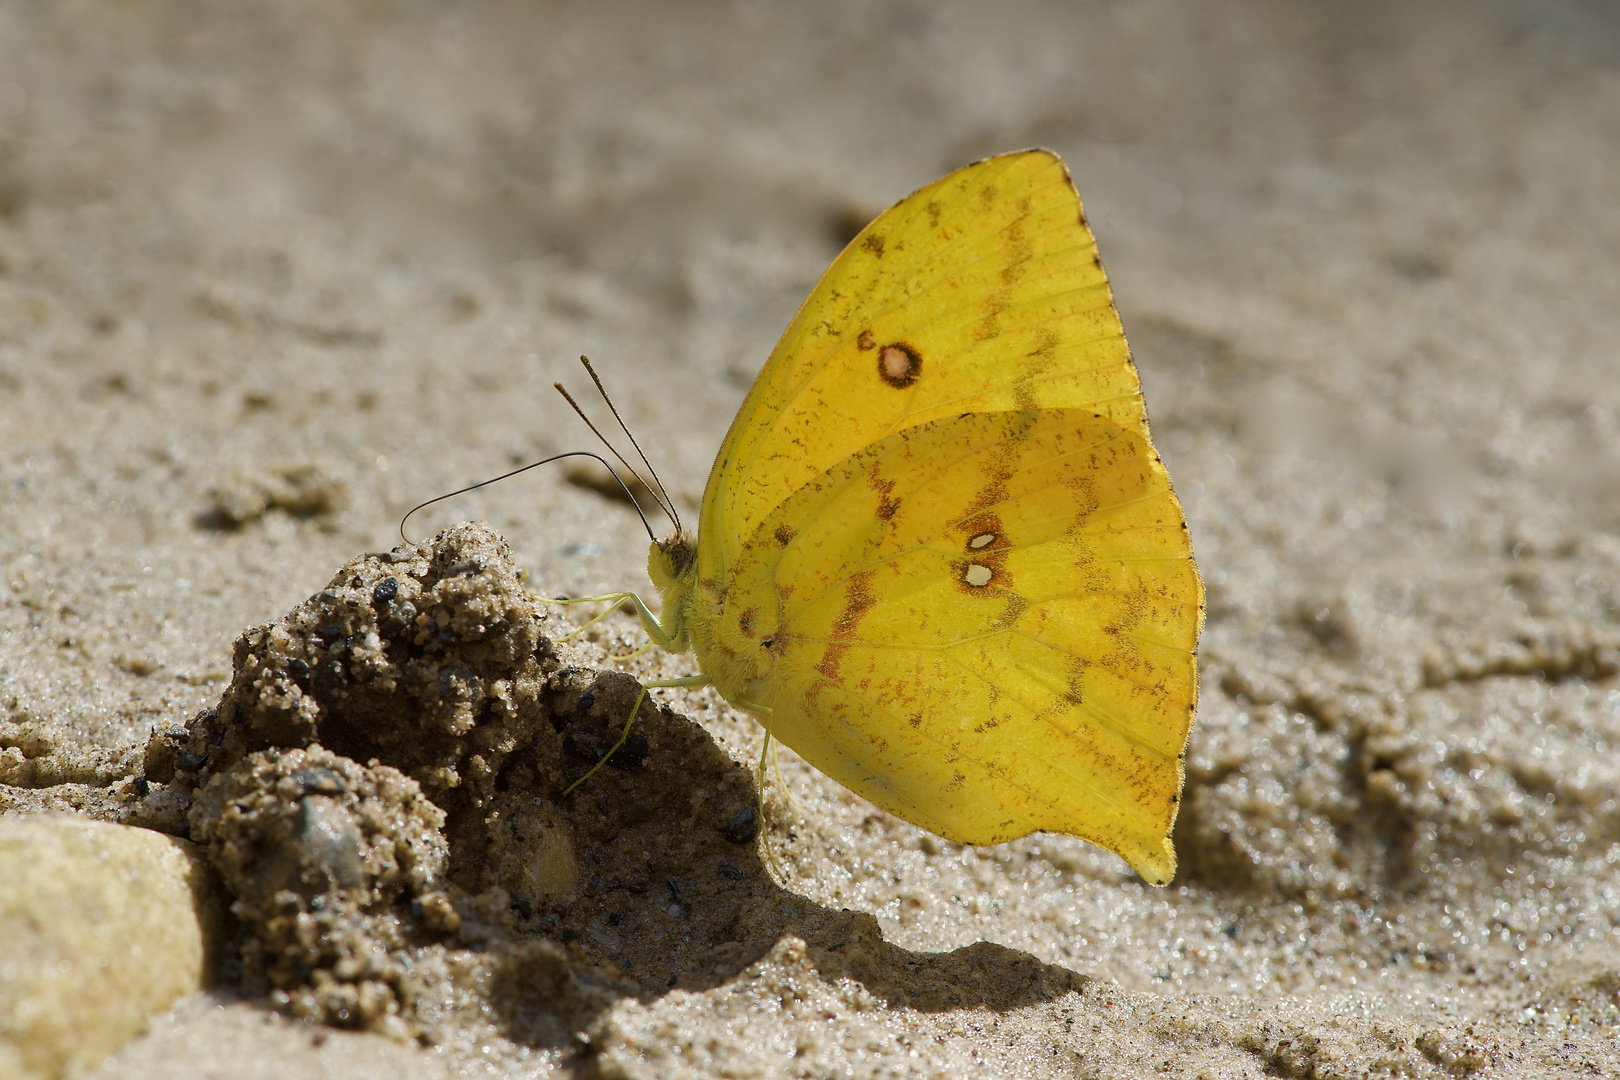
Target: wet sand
{"x":271,"y":275}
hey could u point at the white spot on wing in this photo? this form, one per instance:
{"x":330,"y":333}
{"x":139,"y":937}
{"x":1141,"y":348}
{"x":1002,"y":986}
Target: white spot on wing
{"x":981,"y":540}
{"x":896,"y":364}
{"x":977,"y":575}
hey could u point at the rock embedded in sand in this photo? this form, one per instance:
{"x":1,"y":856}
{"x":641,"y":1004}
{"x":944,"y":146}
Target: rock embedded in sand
{"x":100,"y":926}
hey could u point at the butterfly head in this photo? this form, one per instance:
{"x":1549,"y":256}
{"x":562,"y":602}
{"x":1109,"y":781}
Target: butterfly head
{"x":671,"y":559}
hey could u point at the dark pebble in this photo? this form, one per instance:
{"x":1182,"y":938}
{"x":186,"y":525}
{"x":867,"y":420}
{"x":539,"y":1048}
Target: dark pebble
{"x":742,"y":827}
{"x":316,"y":781}
{"x":386,"y":590}
{"x":329,"y":677}
{"x":324,"y":853}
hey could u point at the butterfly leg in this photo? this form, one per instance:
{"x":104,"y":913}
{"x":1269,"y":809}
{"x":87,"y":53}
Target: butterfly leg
{"x":616,"y":599}
{"x":687,"y":680}
{"x":660,"y":637}
{"x":632,"y":654}
{"x":604,"y":614}
{"x":781,"y":781}
{"x":762,"y":713}
{"x":759,"y":773}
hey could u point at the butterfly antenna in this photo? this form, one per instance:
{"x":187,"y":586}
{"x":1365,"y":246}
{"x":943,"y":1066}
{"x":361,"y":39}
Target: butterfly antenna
{"x":631,"y":469}
{"x":532,"y":465}
{"x":657,"y":493}
{"x":667,"y":503}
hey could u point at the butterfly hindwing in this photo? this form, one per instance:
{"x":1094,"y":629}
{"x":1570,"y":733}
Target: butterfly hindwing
{"x":984,"y":624}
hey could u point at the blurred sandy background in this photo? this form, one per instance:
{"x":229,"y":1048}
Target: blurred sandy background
{"x":270,"y":274}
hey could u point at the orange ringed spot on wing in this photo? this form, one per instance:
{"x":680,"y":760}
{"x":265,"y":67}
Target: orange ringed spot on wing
{"x":865,"y":342}
{"x":982,"y":540}
{"x":978,"y":575}
{"x":899,"y":365}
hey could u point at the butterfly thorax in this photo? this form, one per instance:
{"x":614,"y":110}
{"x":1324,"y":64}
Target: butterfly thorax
{"x":672,"y":565}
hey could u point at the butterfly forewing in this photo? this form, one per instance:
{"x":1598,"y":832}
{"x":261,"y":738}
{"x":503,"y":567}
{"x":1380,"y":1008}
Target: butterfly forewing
{"x":937,"y":552}
{"x":984,"y":286}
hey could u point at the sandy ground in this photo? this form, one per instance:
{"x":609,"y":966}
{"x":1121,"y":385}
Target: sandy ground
{"x":271,"y":274}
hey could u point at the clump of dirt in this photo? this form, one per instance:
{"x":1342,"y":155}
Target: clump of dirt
{"x":382,"y":786}
{"x":301,"y":491}
{"x":319,"y":851}
{"x":429,"y":659}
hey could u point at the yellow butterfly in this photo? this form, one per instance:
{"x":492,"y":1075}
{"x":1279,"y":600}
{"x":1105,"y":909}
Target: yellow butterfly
{"x":938,"y":555}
